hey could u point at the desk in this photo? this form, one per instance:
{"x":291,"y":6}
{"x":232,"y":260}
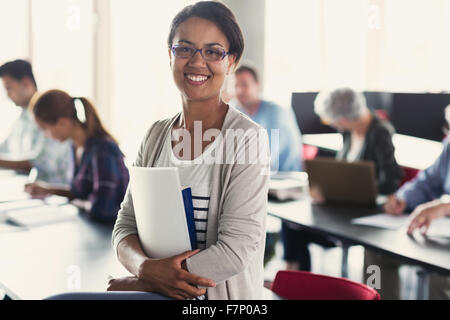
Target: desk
{"x":51,"y":259}
{"x":335,"y":220}
{"x":410,"y":152}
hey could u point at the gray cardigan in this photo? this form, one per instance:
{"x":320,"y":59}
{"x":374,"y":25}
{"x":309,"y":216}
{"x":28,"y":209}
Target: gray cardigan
{"x":235,"y":237}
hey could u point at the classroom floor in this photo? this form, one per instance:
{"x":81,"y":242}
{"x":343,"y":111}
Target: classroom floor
{"x":328,"y":262}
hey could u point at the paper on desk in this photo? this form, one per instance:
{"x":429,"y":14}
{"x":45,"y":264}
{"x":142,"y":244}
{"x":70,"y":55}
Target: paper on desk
{"x":438,"y":228}
{"x":383,"y":220}
{"x":6,"y":228}
{"x":34,"y":217}
{"x":21,"y":204}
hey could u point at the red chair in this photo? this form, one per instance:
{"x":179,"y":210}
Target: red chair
{"x":382,"y":114}
{"x":409,"y":174}
{"x":300,"y":285}
{"x":309,"y":152}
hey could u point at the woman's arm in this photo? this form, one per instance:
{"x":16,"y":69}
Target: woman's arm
{"x":102,"y":195}
{"x":24,"y":165}
{"x":426,"y":213}
{"x":428,"y":185}
{"x":42,"y":189}
{"x":389,"y":172}
{"x":166,"y":276}
{"x":241,"y":226}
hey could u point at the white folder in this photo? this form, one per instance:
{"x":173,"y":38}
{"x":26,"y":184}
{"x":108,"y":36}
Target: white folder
{"x":159,"y":210}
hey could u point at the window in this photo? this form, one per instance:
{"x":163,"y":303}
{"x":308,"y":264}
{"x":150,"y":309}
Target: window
{"x":62,"y":50}
{"x":142,"y":86}
{"x":14,"y":34}
{"x":369,"y":45}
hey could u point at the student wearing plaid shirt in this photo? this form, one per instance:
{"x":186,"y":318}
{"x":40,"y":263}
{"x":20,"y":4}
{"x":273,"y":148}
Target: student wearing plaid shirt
{"x":100,"y":177}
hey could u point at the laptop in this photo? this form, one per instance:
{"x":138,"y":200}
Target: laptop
{"x":159,"y":210}
{"x":343,"y":182}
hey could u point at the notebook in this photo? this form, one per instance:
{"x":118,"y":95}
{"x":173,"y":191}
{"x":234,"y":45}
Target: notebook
{"x":288,"y":185}
{"x":20,"y":204}
{"x":43,"y":215}
{"x":439,"y":228}
{"x":164,"y":212}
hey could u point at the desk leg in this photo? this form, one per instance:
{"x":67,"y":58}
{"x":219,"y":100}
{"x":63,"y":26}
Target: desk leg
{"x":344,"y":266}
{"x":422,"y":284}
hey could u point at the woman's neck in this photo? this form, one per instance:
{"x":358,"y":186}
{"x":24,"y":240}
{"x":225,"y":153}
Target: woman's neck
{"x":363,"y":125}
{"x":79,"y":136}
{"x":211,"y":113}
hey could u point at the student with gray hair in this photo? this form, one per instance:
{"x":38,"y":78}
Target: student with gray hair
{"x":366,"y":137}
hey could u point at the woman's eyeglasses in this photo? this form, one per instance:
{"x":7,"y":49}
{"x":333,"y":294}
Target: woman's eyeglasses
{"x":208,"y":53}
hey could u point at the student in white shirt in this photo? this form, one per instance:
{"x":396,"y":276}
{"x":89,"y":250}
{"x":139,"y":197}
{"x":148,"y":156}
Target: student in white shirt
{"x":26,"y":146}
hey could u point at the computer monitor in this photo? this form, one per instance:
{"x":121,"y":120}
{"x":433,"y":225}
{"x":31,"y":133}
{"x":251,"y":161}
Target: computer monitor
{"x":377,"y":100}
{"x":308,"y":121}
{"x":420,"y":114}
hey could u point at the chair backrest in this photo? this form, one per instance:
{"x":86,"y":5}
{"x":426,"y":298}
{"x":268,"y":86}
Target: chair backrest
{"x":309,"y":152}
{"x":299,"y":285}
{"x":409,"y":174}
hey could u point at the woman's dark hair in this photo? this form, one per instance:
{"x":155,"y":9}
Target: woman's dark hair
{"x":56,"y":104}
{"x":220,"y":15}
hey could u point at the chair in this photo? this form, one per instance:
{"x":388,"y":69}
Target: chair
{"x":309,"y":152}
{"x":300,"y":285}
{"x":382,"y":114}
{"x":409,"y":174}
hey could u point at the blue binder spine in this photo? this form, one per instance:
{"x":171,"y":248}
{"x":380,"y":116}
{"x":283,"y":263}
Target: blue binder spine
{"x":189,"y":210}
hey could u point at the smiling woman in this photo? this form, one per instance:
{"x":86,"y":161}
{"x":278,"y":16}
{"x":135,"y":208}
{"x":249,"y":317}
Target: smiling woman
{"x":205,"y":44}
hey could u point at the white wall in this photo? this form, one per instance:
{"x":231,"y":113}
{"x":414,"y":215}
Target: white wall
{"x":251,"y":17}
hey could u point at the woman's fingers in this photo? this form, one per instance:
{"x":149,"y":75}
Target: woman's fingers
{"x":394,"y":206}
{"x":425,"y":227}
{"x":185,"y":255}
{"x":197,"y":280}
{"x":412,"y":226}
{"x":191,"y":290}
{"x":419,"y":222}
{"x":390,"y":205}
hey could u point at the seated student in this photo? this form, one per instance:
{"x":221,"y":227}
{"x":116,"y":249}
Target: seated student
{"x":287,"y":146}
{"x":427,"y":197}
{"x":100,"y":177}
{"x":205,"y":43}
{"x":271,"y":117}
{"x":366,"y":137}
{"x":26,"y":146}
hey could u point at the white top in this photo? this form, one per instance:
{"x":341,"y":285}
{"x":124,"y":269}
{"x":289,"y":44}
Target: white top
{"x":355,"y":149}
{"x":194,"y":175}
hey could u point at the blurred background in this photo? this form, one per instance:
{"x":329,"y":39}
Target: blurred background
{"x":115,"y":52}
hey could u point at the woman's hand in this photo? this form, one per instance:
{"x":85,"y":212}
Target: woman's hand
{"x":170,"y":277}
{"x":316,"y":195}
{"x":37,"y":190}
{"x":394,"y":206}
{"x":424,"y":214}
